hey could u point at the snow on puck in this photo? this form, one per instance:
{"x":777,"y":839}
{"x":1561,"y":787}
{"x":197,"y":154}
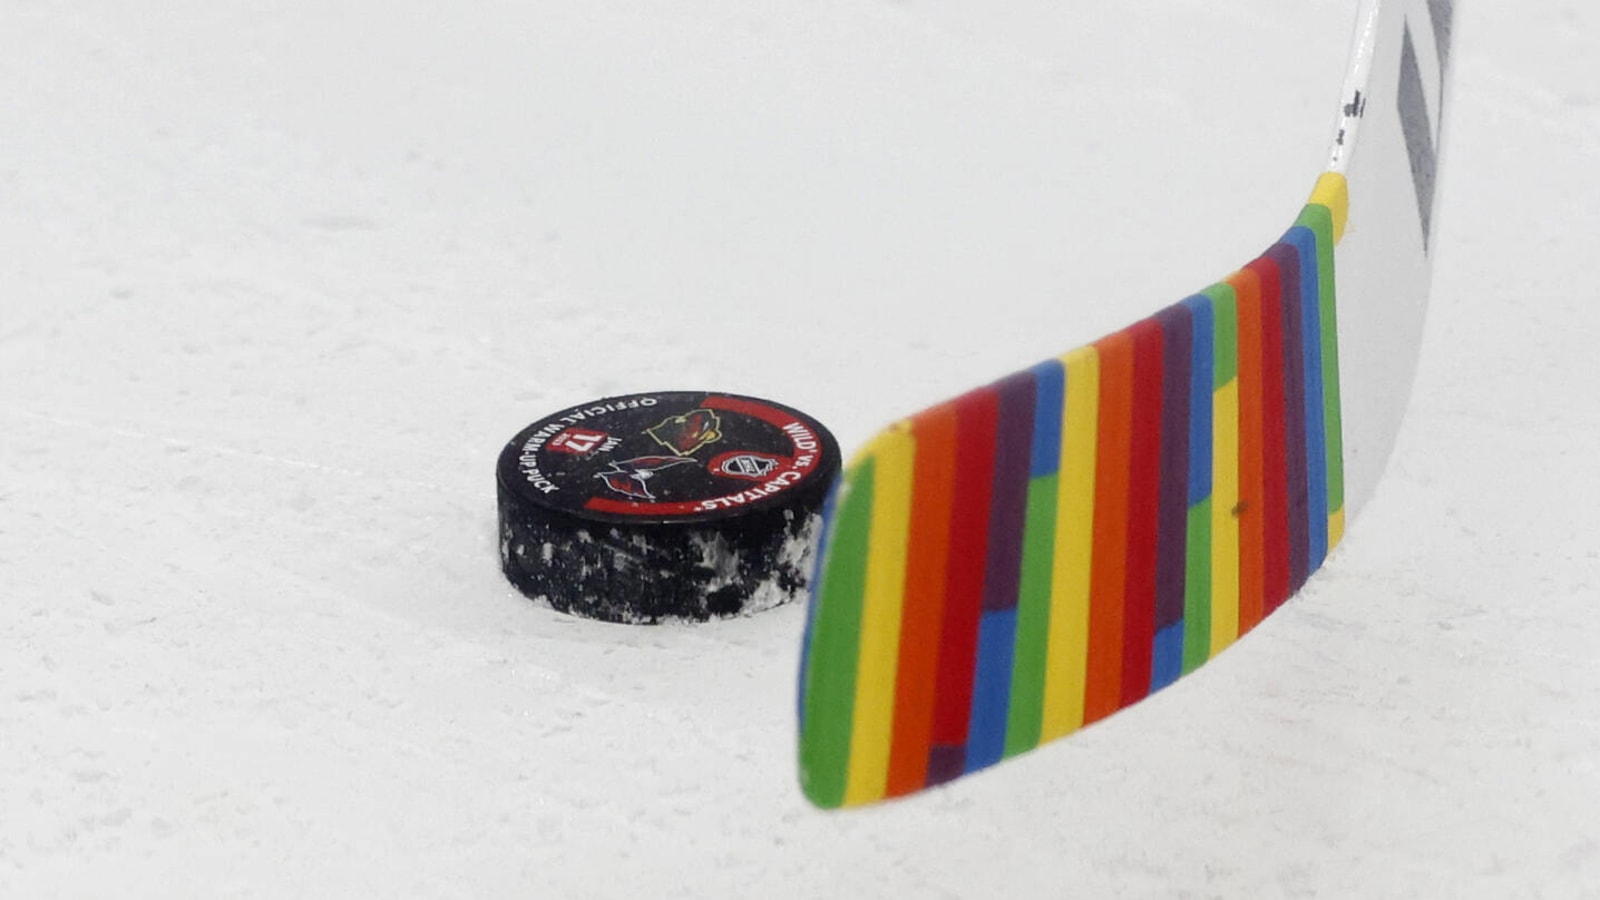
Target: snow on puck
{"x":682,"y":504}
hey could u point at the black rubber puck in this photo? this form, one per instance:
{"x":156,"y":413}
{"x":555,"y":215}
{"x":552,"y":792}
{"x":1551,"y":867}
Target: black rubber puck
{"x":682,"y":504}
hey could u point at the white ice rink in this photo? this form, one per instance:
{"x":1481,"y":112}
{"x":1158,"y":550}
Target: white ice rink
{"x":277,"y":281}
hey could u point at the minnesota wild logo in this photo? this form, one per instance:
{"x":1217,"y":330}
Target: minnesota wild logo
{"x":688,"y":432}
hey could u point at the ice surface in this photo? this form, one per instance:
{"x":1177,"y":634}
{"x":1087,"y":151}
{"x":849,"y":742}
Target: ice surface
{"x":278,"y":280}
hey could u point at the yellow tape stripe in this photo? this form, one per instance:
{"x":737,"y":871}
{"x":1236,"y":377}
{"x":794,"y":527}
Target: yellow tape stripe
{"x":1224,"y":525}
{"x":1333,"y":192}
{"x":872,"y":725}
{"x":1068,"y":650}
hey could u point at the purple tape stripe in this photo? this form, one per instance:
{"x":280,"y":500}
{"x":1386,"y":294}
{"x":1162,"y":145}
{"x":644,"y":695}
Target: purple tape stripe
{"x":1294,"y":412}
{"x":1172,"y":517}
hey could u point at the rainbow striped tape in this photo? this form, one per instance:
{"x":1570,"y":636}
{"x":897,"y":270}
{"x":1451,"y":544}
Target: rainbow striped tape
{"x":1006,"y":567}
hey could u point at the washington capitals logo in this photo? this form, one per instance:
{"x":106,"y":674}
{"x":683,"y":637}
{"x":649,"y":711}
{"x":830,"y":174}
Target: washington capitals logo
{"x":631,"y":477}
{"x":686,"y":433}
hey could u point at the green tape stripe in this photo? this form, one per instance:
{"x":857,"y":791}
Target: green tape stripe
{"x":1320,"y":220}
{"x":1197,"y":588}
{"x":1225,"y":305}
{"x":1025,"y":718}
{"x":836,"y":644}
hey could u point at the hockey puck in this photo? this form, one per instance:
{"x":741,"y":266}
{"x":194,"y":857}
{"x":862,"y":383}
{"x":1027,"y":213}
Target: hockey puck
{"x":681,"y":504}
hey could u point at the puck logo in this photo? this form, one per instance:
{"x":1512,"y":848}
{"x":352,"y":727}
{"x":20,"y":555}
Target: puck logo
{"x":745,"y":464}
{"x":631,"y":477}
{"x":682,"y":456}
{"x":578,"y":440}
{"x":687,"y":433}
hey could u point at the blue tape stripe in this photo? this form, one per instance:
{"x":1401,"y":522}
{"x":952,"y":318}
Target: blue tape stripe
{"x":1202,"y":373}
{"x":1304,"y":240}
{"x":1050,"y":385}
{"x":991,"y":689}
{"x":1167,"y":662}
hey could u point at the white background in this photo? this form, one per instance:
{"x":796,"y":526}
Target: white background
{"x":277,"y":280}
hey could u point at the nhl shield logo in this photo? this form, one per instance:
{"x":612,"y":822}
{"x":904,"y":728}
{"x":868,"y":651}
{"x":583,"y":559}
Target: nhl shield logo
{"x":746,"y":464}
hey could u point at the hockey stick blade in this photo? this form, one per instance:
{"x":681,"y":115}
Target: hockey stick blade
{"x":1125,"y":512}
